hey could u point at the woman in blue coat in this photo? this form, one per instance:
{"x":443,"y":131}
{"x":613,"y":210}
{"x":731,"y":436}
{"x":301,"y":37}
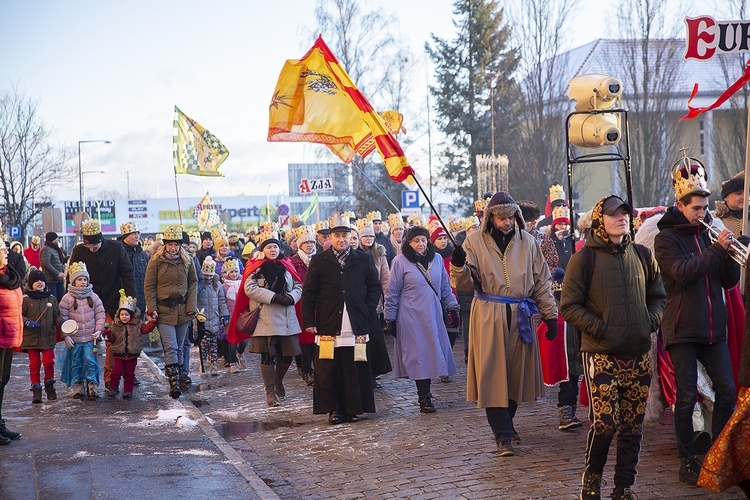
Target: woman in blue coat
{"x":418,"y":289}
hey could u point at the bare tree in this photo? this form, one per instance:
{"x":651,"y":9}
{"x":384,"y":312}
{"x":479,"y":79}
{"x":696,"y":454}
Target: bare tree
{"x":30,"y":167}
{"x":650,"y":57}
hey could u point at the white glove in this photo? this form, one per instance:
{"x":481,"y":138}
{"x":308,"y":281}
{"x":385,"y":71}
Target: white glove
{"x":97,"y":334}
{"x":69,"y":342}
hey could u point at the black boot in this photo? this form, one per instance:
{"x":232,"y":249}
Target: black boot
{"x":173,"y":374}
{"x":690,"y":469}
{"x":4,"y":432}
{"x":49,"y":388}
{"x":36,"y":393}
{"x":591,"y":485}
{"x":425,"y":403}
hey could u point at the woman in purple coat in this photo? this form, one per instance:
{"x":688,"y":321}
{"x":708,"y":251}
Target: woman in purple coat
{"x":418,"y":289}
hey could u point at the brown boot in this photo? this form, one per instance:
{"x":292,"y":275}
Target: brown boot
{"x":267,"y":373}
{"x":281,"y":369}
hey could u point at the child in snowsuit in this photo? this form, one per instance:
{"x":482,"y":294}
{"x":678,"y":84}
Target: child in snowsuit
{"x":41,"y":314}
{"x":213,"y":304}
{"x":80,"y":369}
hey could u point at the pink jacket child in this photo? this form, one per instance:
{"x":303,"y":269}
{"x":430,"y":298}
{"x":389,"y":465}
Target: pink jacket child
{"x":80,"y":369}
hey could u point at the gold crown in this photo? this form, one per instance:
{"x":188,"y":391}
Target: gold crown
{"x":230,"y":265}
{"x":35,"y":240}
{"x":415,"y":220}
{"x":91,"y":227}
{"x":129,"y":227}
{"x":556,"y":192}
{"x":269,"y":225}
{"x":126,"y":302}
{"x":349,"y":214}
{"x":395,"y":220}
{"x":172,"y":233}
{"x":363,"y":223}
{"x":293,"y":219}
{"x":219,"y":237}
{"x":375,"y":215}
{"x":557,"y":286}
{"x":561,"y":212}
{"x":209,"y":266}
{"x":233,"y":238}
{"x":264,"y":235}
{"x":338,"y":221}
{"x":322,"y":225}
{"x":456,"y":225}
{"x":471,"y":222}
{"x":76,"y":269}
{"x":689,"y":177}
{"x":307,"y":233}
{"x":480,"y":205}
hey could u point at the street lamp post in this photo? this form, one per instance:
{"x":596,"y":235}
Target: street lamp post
{"x":80,"y":173}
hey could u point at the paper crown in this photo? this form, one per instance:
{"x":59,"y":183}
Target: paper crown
{"x":209,"y":266}
{"x":456,"y":225}
{"x":91,"y":227}
{"x":322,"y":226}
{"x":129,"y":228}
{"x":557,"y":286}
{"x":556,"y":192}
{"x":560,"y":212}
{"x":76,"y":270}
{"x":375,"y":215}
{"x":415,"y":220}
{"x":304,"y":234}
{"x":126,"y":302}
{"x":689,"y":177}
{"x":480,"y":205}
{"x":395,"y":220}
{"x":36,"y":240}
{"x":269,"y":225}
{"x":172,"y":233}
{"x":349,"y":214}
{"x":265,"y":235}
{"x":363,"y":223}
{"x":338,"y":222}
{"x":471,"y":222}
{"x":293,"y":219}
{"x":219,"y":237}
{"x":233,"y":238}
{"x":230,"y":265}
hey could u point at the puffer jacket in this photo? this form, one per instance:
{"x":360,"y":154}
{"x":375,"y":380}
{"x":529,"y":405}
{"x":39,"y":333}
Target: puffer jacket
{"x":694,"y":271}
{"x":139,"y":260}
{"x":89,"y":319}
{"x":11,"y":302}
{"x":214,"y":303}
{"x":274,"y":319}
{"x":52,"y":266}
{"x":126,"y":339}
{"x":166,"y":280}
{"x":620,"y":309}
{"x":36,"y":309}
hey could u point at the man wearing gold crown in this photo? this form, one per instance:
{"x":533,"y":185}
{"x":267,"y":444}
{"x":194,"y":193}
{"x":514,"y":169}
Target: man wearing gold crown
{"x":694,"y":325}
{"x":380,"y":236}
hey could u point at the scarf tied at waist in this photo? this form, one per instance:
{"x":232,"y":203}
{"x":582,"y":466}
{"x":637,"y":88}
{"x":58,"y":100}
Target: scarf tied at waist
{"x":526,"y":307}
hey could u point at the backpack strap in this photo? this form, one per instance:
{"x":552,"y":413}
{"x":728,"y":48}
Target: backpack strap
{"x":644,"y":255}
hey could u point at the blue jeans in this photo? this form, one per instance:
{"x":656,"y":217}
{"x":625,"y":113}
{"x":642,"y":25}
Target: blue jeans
{"x":173,"y":341}
{"x":185,"y":364}
{"x":715,"y":358}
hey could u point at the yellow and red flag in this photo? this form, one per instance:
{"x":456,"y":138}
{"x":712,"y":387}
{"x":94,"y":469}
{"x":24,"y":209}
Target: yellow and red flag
{"x":316,"y":101}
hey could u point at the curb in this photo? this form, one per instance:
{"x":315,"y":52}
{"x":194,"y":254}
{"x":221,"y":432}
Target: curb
{"x":256,"y":483}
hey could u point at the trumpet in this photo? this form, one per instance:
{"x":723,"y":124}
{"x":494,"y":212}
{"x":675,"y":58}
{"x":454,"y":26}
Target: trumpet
{"x":737,"y":250}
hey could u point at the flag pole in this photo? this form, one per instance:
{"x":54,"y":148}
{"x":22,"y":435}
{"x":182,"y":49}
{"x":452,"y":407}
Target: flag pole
{"x":177,"y":192}
{"x":440,"y":219}
{"x":398,"y":210}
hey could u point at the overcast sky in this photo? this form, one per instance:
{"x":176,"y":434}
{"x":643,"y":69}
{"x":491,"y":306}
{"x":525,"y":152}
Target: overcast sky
{"x":115,"y":70}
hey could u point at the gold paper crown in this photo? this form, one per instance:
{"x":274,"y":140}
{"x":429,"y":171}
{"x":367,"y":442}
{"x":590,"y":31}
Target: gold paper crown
{"x":172,"y":233}
{"x":375,"y":215}
{"x":303,"y":231}
{"x":126,"y":302}
{"x":556,"y":192}
{"x":91,"y":227}
{"x":363,"y":223}
{"x":395,"y":220}
{"x":269,"y":224}
{"x":35,"y":240}
{"x":689,"y":177}
{"x":480,"y":205}
{"x":557,"y":286}
{"x":128,"y":228}
{"x":264,"y":235}
{"x":338,"y":221}
{"x":349,"y":214}
{"x":293,"y":219}
{"x":230,"y":265}
{"x":219,"y":237}
{"x":233,"y":238}
{"x":415,"y":220}
{"x":456,"y":225}
{"x":471,"y":222}
{"x":322,"y":225}
{"x":76,"y":269}
{"x":209,"y":266}
{"x":561,"y":212}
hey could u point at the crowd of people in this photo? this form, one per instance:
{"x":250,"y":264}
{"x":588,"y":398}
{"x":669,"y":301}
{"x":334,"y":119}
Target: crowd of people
{"x":538,"y":299}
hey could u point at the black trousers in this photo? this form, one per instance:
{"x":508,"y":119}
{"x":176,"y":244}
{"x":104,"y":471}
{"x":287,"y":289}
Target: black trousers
{"x":6,"y":359}
{"x":501,"y":421}
{"x":342,"y":384}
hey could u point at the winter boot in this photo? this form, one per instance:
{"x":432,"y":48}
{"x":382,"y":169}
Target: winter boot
{"x":425,"y":403}
{"x":173,"y":374}
{"x":92,"y":390}
{"x":36,"y":393}
{"x":690,"y":469}
{"x":267,"y":373}
{"x":622,"y":493}
{"x":566,"y":418}
{"x":573,"y":416}
{"x":8,"y":434}
{"x":49,"y":388}
{"x":281,"y":369}
{"x":78,"y":391}
{"x":591,"y":485}
{"x":505,"y":449}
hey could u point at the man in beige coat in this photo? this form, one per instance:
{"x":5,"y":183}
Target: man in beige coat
{"x":505,"y":268}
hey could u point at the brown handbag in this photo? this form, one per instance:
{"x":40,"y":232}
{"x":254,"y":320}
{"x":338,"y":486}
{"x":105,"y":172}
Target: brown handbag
{"x":248,"y":320}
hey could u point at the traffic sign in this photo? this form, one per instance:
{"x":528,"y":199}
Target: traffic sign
{"x":267,"y":211}
{"x":410,"y":199}
{"x":14,"y":231}
{"x":283,"y":209}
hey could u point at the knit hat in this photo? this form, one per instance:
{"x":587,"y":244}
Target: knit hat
{"x":205,"y":235}
{"x":128,"y":303}
{"x":35,"y":240}
{"x":209,"y":267}
{"x":529,"y":210}
{"x":503,"y":205}
{"x":366,"y":230}
{"x":736,"y":183}
{"x":76,"y":270}
{"x":129,"y":228}
{"x":304,"y":234}
{"x":36,"y":275}
{"x":436,"y":232}
{"x":230,"y":265}
{"x":50,"y":237}
{"x":172,"y":234}
{"x":415,"y":231}
{"x":92,"y":232}
{"x":266,"y":237}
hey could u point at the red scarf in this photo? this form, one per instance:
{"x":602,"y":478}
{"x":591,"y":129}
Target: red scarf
{"x":242,"y":301}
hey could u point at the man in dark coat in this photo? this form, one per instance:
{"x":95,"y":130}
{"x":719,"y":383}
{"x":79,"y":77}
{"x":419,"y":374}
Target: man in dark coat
{"x":109,"y":270}
{"x":340,"y":293}
{"x":694,"y":326}
{"x":380,"y":237}
{"x":131,"y":242}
